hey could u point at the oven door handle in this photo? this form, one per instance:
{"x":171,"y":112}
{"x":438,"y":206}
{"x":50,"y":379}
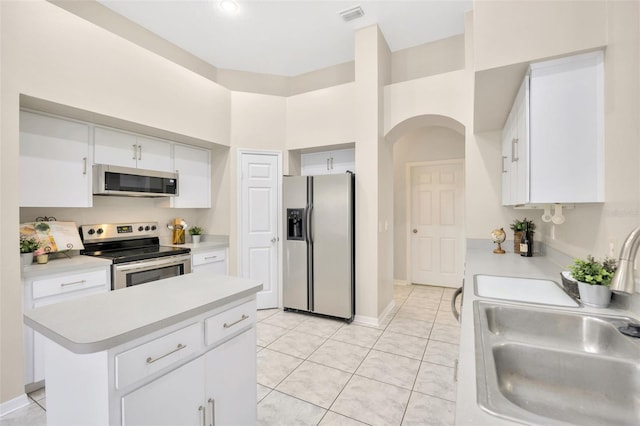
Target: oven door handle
{"x":153,"y":263}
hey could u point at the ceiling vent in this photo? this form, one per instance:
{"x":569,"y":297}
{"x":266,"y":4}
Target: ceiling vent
{"x":352,"y":13}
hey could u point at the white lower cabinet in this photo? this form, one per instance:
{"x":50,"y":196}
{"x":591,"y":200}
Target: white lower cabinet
{"x":217,"y":388}
{"x":201,"y":371}
{"x":47,"y":290}
{"x":212,"y":262}
{"x":174,"y":399}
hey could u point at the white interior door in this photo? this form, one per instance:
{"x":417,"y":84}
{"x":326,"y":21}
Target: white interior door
{"x":437,"y":223}
{"x":259,"y":212}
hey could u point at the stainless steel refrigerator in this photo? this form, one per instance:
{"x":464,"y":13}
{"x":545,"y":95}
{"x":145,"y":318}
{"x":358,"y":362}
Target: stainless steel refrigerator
{"x":319,"y":248}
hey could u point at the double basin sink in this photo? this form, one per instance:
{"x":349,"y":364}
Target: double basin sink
{"x":546,"y":366}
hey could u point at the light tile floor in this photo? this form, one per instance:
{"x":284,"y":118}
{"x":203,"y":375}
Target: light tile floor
{"x":318,"y":371}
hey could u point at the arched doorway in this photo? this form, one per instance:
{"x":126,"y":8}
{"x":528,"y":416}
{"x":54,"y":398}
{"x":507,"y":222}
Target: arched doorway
{"x":428,"y":162}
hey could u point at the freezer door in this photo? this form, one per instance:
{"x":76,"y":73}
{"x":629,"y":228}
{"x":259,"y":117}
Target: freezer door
{"x":332,"y":235}
{"x":295,"y":269}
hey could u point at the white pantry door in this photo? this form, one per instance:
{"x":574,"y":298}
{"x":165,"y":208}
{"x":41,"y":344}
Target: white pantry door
{"x":437,"y":223}
{"x":259,"y":213}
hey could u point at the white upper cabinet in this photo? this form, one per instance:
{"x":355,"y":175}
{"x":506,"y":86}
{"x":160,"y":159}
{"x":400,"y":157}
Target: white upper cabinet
{"x":193,"y":166}
{"x":329,"y":162}
{"x":129,"y":150}
{"x":54,"y":169}
{"x":515,"y":150}
{"x":554,"y":137}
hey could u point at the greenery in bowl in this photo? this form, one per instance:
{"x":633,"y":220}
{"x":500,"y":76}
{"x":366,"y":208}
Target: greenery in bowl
{"x":195,"y":230}
{"x":28,"y":245}
{"x":592,"y":271}
{"x":520,"y":225}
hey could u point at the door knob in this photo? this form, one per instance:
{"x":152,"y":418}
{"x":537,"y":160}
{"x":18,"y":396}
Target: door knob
{"x":415,"y":231}
{"x":273,"y":240}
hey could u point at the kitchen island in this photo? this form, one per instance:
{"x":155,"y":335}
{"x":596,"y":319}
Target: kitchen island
{"x":481,"y":260}
{"x":175,"y":351}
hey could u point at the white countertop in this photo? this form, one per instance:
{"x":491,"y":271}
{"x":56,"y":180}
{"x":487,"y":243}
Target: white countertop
{"x":483,"y":261}
{"x":64,"y":265}
{"x":203,"y":246}
{"x":102,"y":321}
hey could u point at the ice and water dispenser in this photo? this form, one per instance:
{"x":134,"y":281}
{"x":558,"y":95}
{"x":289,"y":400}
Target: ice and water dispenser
{"x":295,"y":224}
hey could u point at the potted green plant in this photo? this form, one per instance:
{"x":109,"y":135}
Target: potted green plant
{"x":27,"y":247}
{"x":518,"y":227}
{"x":196,"y":233}
{"x":593,"y":277}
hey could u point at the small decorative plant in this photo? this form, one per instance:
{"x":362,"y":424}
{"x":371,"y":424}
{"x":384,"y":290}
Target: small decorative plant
{"x":520,"y":225}
{"x":195,"y":230}
{"x":592,"y":271}
{"x":28,"y":245}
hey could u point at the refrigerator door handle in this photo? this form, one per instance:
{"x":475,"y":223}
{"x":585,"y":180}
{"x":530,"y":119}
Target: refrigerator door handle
{"x":309,"y":224}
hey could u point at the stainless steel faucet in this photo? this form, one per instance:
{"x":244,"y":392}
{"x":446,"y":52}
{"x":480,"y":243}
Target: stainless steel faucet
{"x":623,"y":280}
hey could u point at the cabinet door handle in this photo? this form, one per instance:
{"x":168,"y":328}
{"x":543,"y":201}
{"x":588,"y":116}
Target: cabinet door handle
{"x":328,"y":164}
{"x":139,"y":152}
{"x":244,"y":317}
{"x":210,"y":257}
{"x":514,"y":149}
{"x":84,"y":165}
{"x":180,"y":346}
{"x":331,"y":163}
{"x":203,"y":413}
{"x":73,"y":283}
{"x":135,"y":151}
{"x":504,"y":169}
{"x":212,"y":403}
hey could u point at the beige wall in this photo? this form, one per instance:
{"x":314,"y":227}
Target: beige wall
{"x":258,"y":123}
{"x":322,"y":117}
{"x":428,"y":59}
{"x":423,"y":144}
{"x":51,"y":54}
{"x":510,"y":32}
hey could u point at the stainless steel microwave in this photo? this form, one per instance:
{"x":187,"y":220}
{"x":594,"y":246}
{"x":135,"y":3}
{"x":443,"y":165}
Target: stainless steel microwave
{"x":127,"y":181}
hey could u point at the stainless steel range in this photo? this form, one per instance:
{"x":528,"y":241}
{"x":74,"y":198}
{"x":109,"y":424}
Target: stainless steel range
{"x":135,"y":251}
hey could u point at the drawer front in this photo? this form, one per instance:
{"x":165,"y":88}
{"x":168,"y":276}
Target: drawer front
{"x":69,"y":283}
{"x":148,"y":358}
{"x":209,"y":257}
{"x":230,"y":322}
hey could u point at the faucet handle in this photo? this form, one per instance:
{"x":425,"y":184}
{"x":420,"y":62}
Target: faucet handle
{"x":632,"y":329}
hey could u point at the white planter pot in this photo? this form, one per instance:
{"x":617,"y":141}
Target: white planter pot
{"x":196,"y":238}
{"x":596,"y":296}
{"x":26,"y":259}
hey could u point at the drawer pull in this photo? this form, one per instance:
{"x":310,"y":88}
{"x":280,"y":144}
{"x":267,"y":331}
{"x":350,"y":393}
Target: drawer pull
{"x":244,"y":317}
{"x":180,"y":346}
{"x":73,"y":283}
{"x":210,"y":257}
{"x":203,"y":414}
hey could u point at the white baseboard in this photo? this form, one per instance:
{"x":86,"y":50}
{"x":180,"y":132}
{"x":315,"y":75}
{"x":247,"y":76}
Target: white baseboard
{"x":401,"y":282}
{"x":14,"y":404}
{"x":373,"y":321}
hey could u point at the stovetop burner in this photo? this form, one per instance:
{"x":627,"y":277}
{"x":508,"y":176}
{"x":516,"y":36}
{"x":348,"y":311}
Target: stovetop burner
{"x":126,"y":242}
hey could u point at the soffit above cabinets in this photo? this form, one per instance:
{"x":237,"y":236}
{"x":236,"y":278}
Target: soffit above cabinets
{"x":495,"y":90}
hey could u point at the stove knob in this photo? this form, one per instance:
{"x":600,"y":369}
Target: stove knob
{"x":146,"y":228}
{"x":140,"y":228}
{"x":91,"y":231}
{"x":153,"y":228}
{"x":100,"y":231}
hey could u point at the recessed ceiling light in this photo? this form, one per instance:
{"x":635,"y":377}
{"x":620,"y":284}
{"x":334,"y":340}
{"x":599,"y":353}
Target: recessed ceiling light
{"x":229,"y":6}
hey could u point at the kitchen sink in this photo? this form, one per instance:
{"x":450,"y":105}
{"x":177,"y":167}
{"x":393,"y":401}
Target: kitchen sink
{"x":561,"y":330}
{"x":545,"y":366}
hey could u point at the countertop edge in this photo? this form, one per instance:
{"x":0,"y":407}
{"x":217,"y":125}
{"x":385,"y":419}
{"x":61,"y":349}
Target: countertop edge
{"x":98,"y":345}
